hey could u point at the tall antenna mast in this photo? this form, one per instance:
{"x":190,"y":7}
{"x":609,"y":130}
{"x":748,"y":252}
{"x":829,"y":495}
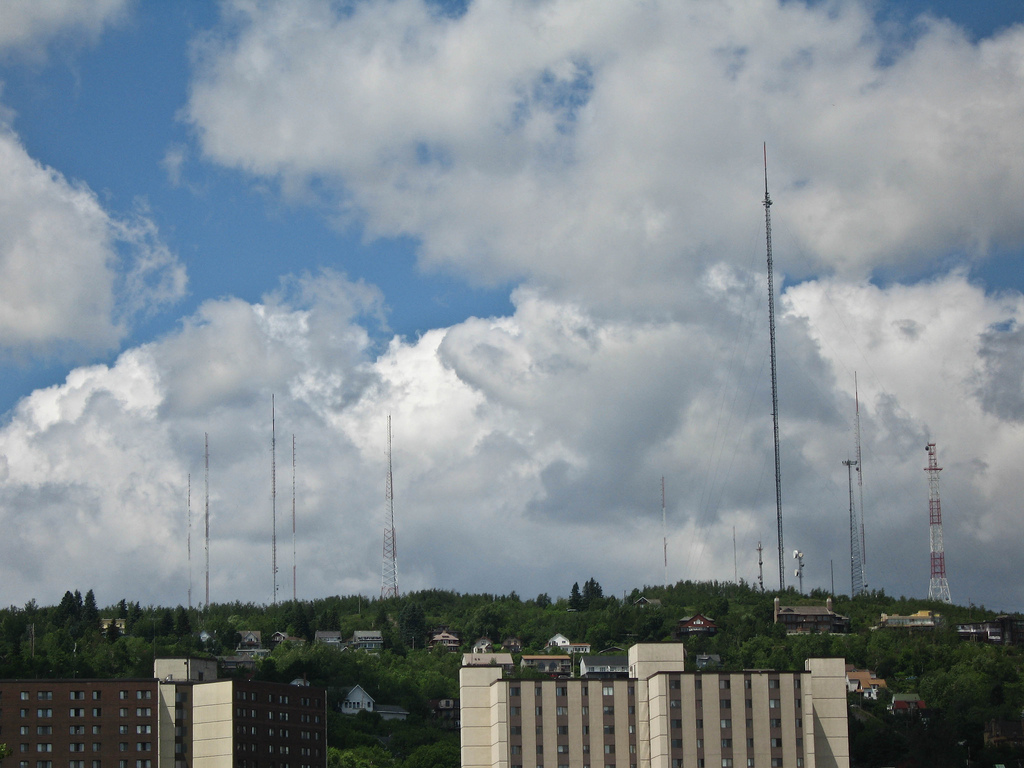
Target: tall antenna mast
{"x":938,"y":587}
{"x":273,"y":492}
{"x":664,"y":529}
{"x":389,"y":570}
{"x":860,"y":485}
{"x":775,"y":389}
{"x":206,"y":440}
{"x":295,"y":589}
{"x":856,"y":574}
{"x":760,"y":566}
{"x":188,"y":539}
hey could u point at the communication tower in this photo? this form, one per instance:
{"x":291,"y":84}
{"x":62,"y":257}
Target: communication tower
{"x":938,"y":587}
{"x":295,"y":589}
{"x":206,"y":455}
{"x":856,"y":574}
{"x":775,"y":386}
{"x":273,"y":495}
{"x":389,"y":570}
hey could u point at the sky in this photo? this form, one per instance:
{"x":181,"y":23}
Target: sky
{"x":532,"y":233}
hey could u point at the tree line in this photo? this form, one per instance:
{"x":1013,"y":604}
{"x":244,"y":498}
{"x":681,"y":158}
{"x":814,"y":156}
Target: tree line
{"x":964,"y":684}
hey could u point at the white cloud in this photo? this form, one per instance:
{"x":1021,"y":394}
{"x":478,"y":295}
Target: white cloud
{"x":29,"y":24}
{"x":527,"y":451}
{"x":607,"y":152}
{"x":72,"y":276}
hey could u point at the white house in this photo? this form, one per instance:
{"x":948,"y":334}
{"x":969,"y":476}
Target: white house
{"x":356,"y":700}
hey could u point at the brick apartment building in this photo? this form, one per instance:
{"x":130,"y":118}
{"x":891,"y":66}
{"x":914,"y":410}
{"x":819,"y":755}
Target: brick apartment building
{"x":181,"y":718}
{"x":660,"y":716}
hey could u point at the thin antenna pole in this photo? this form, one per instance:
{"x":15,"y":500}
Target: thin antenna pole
{"x":206,"y":438}
{"x":188,"y":539}
{"x":775,"y":390}
{"x":760,"y":566}
{"x":389,"y":571}
{"x":860,"y":483}
{"x":295,"y":589}
{"x":273,"y":493}
{"x":664,"y":529}
{"x":735,"y":564}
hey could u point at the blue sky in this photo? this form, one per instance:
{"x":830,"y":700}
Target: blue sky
{"x":534,"y":235}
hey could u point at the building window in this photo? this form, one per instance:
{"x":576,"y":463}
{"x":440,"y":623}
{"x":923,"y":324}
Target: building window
{"x":143,"y":694}
{"x":673,"y":685}
{"x":143,"y":728}
{"x":123,"y":712}
{"x":609,"y":749}
{"x":43,"y":730}
{"x":24,"y":695}
{"x":76,"y":746}
{"x":726,"y":762}
{"x":609,"y":729}
{"x":96,"y":695}
{"x":514,"y":690}
{"x":608,"y":690}
{"x":96,"y":711}
{"x":77,"y":695}
{"x":561,"y":710}
{"x":143,"y":712}
{"x":776,"y":742}
{"x":723,"y":683}
{"x":726,"y":743}
{"x":44,"y":713}
{"x":774,"y":703}
{"x":726,"y":723}
{"x":44,"y":695}
{"x":44,"y":747}
{"x":677,"y":743}
{"x":538,"y":711}
{"x":726,"y":703}
{"x":773,"y":683}
{"x":775,"y":722}
{"x":76,"y":712}
{"x":609,"y":710}
{"x":677,"y":723}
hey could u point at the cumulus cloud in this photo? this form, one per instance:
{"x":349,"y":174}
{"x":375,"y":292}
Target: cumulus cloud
{"x":512,"y":437}
{"x":29,"y":25}
{"x":606,"y":153}
{"x":593,"y":156}
{"x":72,"y":276}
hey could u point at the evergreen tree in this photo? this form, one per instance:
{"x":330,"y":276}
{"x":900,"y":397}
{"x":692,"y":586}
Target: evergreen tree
{"x":90,"y":613}
{"x":575,"y":601}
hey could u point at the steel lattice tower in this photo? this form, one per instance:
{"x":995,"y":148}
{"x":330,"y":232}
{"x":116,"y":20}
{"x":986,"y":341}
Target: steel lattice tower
{"x":775,"y":387}
{"x":389,"y":570}
{"x":938,"y":587}
{"x":856,"y":572}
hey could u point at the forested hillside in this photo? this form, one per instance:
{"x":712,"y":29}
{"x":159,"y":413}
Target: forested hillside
{"x":964,"y":684}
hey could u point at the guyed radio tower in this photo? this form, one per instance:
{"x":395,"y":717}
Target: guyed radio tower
{"x":775,"y":386}
{"x":389,"y":570}
{"x":856,"y":573}
{"x":273,"y":494}
{"x":664,"y":530}
{"x":938,"y":587}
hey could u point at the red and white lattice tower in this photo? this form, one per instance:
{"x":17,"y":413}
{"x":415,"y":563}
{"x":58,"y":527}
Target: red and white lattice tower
{"x":389,"y":571}
{"x":938,"y":587}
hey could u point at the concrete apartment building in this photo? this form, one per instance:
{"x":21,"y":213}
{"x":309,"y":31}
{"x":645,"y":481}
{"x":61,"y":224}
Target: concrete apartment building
{"x":660,"y":716}
{"x":181,"y":718}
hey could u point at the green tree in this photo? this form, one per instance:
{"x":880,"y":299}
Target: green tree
{"x":444,"y":754}
{"x":575,"y":600}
